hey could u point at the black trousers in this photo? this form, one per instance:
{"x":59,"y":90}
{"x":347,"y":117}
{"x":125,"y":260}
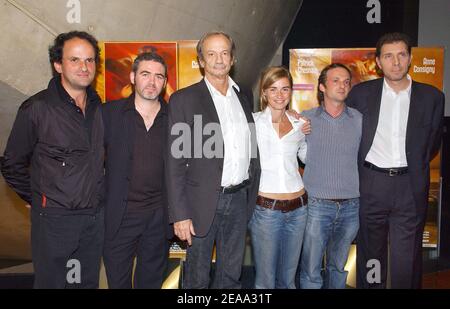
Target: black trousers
{"x":66,"y":249}
{"x":389,"y":216}
{"x":142,"y":234}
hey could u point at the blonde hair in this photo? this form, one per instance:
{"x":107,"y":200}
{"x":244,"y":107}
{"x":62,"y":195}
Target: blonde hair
{"x":268,"y":77}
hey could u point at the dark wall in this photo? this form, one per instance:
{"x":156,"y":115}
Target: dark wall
{"x":444,"y":242}
{"x":334,"y":24}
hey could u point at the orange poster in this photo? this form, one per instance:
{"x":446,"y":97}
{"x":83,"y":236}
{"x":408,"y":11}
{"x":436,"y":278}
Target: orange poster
{"x":305,"y":65}
{"x":113,"y":82}
{"x":113,"y":79}
{"x":188,"y":67}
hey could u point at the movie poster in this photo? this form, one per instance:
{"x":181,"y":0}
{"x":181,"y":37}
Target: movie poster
{"x":426,"y":66}
{"x":188,"y":67}
{"x":118,"y":58}
{"x":113,"y":82}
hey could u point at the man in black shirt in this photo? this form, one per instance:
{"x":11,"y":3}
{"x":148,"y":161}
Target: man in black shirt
{"x":136,"y":209}
{"x":54,"y":162}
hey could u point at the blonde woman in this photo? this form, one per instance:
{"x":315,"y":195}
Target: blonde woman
{"x":279,"y":220}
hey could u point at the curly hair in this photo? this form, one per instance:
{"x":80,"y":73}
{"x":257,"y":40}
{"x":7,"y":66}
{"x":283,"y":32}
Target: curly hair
{"x":55,"y":52}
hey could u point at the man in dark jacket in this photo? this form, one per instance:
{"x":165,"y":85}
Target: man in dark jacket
{"x":402,"y":131}
{"x":54,"y":162}
{"x":135,"y":208}
{"x":213,"y":177}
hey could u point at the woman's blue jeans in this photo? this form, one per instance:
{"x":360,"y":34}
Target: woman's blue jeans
{"x":277,"y":241}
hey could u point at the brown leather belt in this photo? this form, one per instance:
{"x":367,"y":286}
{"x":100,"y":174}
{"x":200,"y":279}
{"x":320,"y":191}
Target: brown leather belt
{"x":283,"y":205}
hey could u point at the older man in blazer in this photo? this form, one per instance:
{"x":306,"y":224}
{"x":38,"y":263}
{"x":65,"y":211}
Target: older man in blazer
{"x":213,"y":167}
{"x":402,"y":127}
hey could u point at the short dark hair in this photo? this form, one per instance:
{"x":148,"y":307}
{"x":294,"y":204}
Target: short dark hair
{"x":323,"y":78}
{"x":55,"y":52}
{"x":392,"y":38}
{"x":210,"y":34}
{"x":149,"y":56}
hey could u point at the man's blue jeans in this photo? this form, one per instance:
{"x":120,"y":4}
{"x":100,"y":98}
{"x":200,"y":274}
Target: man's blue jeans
{"x":330,"y":226}
{"x":228,"y":231}
{"x":277,"y":241}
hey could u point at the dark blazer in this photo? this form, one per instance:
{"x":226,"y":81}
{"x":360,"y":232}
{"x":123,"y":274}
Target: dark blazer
{"x":194,"y":183}
{"x":119,"y":122}
{"x":423,"y":133}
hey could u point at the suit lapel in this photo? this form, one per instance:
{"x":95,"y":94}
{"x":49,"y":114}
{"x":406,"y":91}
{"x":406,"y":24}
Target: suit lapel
{"x":414,"y":113}
{"x":208,"y":103}
{"x":374,"y":109}
{"x":210,"y":109}
{"x":129,"y":122}
{"x":372,"y":114}
{"x":245,"y":105}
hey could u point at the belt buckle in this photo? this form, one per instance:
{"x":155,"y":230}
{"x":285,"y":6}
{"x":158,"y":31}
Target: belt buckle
{"x":393,"y":172}
{"x":283,"y":206}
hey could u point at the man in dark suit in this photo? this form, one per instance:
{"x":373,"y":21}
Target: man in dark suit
{"x":136,"y":218}
{"x":402,"y":124}
{"x":212,"y":185}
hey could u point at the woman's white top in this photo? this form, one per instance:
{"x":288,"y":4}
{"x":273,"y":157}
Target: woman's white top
{"x":279,"y":166}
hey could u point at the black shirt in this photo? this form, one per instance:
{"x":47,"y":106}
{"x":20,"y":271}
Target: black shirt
{"x":90,"y":108}
{"x":147,"y":167}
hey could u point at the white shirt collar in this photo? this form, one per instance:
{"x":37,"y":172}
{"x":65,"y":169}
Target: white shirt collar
{"x":390,"y":90}
{"x":266,"y":113}
{"x":231,"y":84}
